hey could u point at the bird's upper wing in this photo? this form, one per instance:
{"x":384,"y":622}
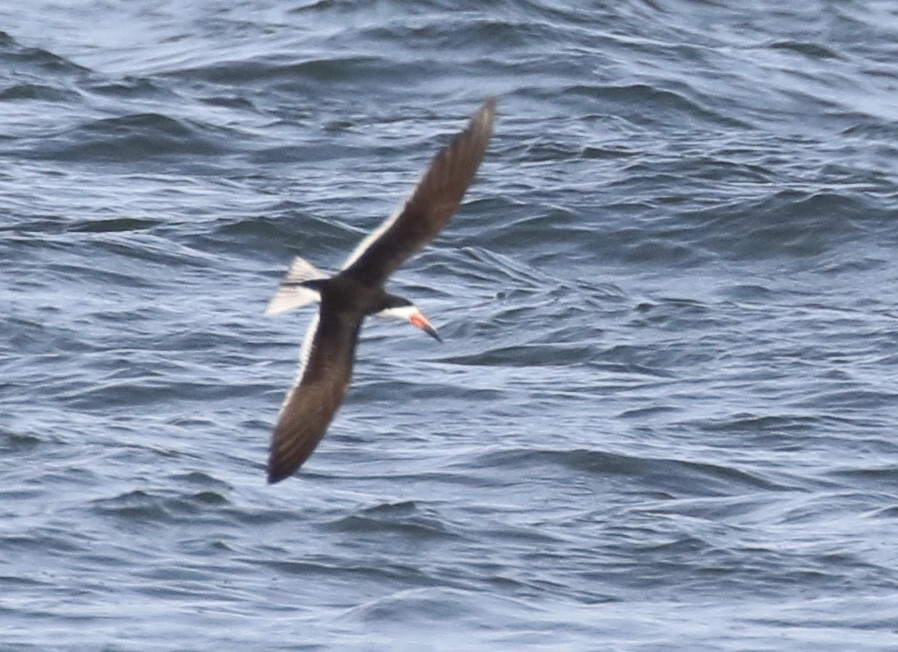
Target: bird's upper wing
{"x":325,"y":370}
{"x":430,"y":205}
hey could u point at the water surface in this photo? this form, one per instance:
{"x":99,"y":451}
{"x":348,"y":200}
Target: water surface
{"x":664,"y":416}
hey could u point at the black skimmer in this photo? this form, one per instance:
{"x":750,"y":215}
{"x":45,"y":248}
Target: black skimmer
{"x":357,"y":290}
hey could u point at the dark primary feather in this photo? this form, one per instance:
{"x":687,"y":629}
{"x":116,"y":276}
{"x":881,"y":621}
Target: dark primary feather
{"x":432,"y":202}
{"x":358,"y":291}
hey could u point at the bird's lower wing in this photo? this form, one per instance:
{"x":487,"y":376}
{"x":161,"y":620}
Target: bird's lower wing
{"x":304,"y":418}
{"x":310,"y":405}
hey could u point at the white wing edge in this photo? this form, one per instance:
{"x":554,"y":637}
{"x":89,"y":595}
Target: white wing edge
{"x":291,"y":295}
{"x":308,"y":341}
{"x":362,"y":247}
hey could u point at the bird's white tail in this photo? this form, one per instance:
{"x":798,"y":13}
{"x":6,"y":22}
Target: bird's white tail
{"x":292,"y":293}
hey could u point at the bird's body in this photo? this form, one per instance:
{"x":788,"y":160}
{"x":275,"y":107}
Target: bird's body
{"x":357,"y":291}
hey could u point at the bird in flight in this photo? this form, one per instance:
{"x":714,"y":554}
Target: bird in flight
{"x":357,"y":290}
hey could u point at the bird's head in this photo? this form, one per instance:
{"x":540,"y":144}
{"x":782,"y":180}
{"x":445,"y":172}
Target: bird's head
{"x":404,"y":310}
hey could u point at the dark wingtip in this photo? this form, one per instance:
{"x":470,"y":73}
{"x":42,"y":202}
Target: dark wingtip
{"x":278,"y":471}
{"x":275,"y":476}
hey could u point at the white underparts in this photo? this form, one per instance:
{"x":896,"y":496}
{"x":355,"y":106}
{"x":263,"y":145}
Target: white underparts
{"x":402,"y":313}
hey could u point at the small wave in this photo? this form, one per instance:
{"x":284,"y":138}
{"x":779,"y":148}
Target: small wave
{"x":142,"y":507}
{"x":35,"y":59}
{"x":135,"y":137}
{"x":679,"y":477}
{"x":405,"y":518}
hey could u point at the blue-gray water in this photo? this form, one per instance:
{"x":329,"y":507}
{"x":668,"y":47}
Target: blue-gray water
{"x":665,"y":416}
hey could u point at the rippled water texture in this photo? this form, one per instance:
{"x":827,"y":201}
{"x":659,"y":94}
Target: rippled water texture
{"x":665,"y":414}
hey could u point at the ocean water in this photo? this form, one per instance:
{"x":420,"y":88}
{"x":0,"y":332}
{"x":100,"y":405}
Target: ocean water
{"x":665,"y":415}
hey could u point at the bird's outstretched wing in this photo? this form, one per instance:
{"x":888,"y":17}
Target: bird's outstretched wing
{"x":326,"y":367}
{"x":430,"y":205}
